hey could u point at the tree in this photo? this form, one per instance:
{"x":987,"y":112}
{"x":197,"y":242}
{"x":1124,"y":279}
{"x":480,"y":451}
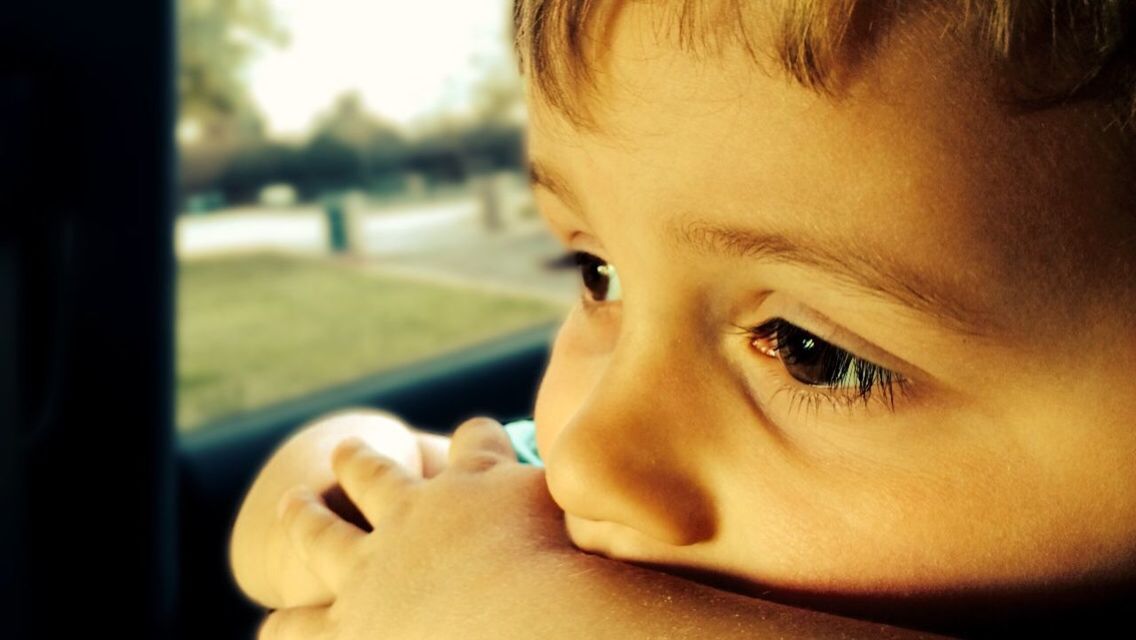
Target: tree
{"x":350,"y":142}
{"x":349,"y":123}
{"x":217,"y":39}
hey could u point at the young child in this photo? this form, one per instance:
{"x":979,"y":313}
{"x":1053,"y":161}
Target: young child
{"x":857,"y":316}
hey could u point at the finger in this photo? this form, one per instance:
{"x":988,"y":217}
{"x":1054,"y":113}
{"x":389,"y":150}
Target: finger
{"x":480,"y":444}
{"x":300,"y":623}
{"x":325,"y":541}
{"x":435,"y":453}
{"x":372,"y":480}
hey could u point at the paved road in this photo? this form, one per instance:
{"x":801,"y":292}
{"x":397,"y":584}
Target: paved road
{"x":444,"y":242}
{"x":513,"y":261}
{"x":389,"y":230}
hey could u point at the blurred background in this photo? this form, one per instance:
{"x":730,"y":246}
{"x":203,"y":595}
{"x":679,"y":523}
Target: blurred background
{"x":352,"y":195}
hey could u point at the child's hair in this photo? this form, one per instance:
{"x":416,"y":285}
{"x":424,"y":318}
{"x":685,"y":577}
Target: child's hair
{"x":1047,"y":52}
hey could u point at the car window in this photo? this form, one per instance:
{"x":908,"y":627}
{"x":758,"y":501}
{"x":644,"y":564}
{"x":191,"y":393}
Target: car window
{"x":352,"y":195}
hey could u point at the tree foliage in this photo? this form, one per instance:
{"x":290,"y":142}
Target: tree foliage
{"x":217,"y":39}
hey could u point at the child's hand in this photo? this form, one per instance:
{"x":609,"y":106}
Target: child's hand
{"x":440,"y":547}
{"x":265,"y":564}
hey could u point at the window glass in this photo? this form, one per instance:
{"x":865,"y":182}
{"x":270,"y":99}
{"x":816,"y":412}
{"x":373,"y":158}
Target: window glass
{"x":352,"y":195}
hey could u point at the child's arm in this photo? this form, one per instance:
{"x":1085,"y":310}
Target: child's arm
{"x":481,"y":552}
{"x":264,"y":564}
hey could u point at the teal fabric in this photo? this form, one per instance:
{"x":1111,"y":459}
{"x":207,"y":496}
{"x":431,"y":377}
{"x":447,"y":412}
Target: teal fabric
{"x":522,"y":434}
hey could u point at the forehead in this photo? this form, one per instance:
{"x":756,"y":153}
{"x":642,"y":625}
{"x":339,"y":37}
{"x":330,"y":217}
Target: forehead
{"x":916,"y":157}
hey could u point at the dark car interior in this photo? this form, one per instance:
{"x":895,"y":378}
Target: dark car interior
{"x":113,"y":524}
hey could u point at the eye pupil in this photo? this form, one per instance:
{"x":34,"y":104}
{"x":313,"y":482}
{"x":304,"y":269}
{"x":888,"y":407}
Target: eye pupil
{"x":596,"y":275}
{"x":809,"y":359}
{"x":806,"y":357}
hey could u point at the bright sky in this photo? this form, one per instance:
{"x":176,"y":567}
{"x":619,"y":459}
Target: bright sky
{"x":406,"y":58}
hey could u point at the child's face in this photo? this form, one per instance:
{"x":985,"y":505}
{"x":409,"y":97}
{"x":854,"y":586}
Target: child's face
{"x":975,"y":260}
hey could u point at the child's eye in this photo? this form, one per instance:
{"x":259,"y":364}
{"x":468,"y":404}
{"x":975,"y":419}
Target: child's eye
{"x":600,"y":278}
{"x":816,"y":363}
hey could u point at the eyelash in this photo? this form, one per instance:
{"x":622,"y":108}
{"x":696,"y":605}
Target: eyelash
{"x":845,"y":379}
{"x":778,"y":338}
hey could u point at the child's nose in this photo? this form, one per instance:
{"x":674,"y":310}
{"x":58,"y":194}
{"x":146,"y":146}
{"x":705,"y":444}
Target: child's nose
{"x":622,"y":459}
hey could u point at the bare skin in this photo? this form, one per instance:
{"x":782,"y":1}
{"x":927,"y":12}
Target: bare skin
{"x":328,"y":585}
{"x":432,"y":568}
{"x":264,"y":564}
{"x":719,"y":200}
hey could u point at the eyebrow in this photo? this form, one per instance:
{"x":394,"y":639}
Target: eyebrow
{"x":869,"y":272}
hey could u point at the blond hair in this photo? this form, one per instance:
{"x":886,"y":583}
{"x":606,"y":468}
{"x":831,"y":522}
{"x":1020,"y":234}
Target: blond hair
{"x":1048,"y":51}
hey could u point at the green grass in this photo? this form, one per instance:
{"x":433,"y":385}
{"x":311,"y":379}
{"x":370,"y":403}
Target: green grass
{"x":253,"y":330}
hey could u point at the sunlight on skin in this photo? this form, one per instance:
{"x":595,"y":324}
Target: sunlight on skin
{"x":669,"y":439}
